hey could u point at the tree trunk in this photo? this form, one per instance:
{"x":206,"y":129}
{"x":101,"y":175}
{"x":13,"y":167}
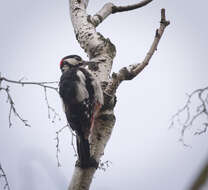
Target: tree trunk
{"x":99,"y":50}
{"x":102,"y":52}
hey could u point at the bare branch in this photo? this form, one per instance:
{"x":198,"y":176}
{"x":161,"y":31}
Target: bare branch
{"x":110,"y":8}
{"x":51,"y":109}
{"x":128,"y":73}
{"x":57,"y":139}
{"x":204,"y":130}
{"x":12,"y":108}
{"x":44,"y":85}
{"x":159,"y":32}
{"x":72,"y":142}
{"x":57,"y":144}
{"x":192,"y":113}
{"x":3,"y":175}
{"x":117,"y":9}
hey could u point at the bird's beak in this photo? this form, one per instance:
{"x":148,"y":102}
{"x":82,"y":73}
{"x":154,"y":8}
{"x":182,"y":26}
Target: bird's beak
{"x":89,"y":62}
{"x":85,"y":62}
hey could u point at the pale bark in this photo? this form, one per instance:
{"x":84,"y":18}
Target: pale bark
{"x":102,"y":52}
{"x":110,"y":8}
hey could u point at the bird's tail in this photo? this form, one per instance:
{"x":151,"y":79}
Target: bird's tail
{"x":83,"y":149}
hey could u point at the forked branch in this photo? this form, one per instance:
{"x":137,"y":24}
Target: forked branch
{"x":188,"y":114}
{"x":13,"y":110}
{"x":128,"y":73}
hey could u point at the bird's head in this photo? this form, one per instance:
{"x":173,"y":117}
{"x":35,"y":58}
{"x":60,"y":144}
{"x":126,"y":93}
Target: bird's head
{"x":70,"y":61}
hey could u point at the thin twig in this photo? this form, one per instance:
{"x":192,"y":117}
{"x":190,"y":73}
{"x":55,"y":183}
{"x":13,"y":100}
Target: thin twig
{"x":191,"y":116}
{"x":3,"y":175}
{"x":50,"y":108}
{"x":44,"y":85}
{"x":57,"y":144}
{"x":204,"y":130}
{"x":12,"y":108}
{"x":72,"y":142}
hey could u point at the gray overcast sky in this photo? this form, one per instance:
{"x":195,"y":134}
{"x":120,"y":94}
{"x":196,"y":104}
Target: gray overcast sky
{"x":145,"y":155}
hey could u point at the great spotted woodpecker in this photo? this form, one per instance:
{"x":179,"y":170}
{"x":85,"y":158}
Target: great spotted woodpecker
{"x":82,"y":98}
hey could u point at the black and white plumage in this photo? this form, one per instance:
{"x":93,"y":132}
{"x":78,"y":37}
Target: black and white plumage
{"x":82,"y":98}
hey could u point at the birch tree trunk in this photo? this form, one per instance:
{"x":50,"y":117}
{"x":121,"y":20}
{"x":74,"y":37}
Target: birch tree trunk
{"x":102,"y":52}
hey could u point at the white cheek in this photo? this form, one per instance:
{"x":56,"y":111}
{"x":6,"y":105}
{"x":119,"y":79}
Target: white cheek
{"x":72,"y":61}
{"x":65,"y":68}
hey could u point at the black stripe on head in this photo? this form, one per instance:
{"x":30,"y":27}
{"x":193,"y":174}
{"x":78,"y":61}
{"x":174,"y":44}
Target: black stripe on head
{"x":78,"y":58}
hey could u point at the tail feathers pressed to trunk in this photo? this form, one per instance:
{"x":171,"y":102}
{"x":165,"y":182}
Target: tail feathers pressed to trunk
{"x":83,"y":149}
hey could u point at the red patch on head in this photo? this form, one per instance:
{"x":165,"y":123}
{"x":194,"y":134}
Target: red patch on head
{"x":61,"y":62}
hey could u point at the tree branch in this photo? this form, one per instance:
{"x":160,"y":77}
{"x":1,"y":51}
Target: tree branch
{"x":102,"y":51}
{"x":3,"y":175}
{"x":117,"y":9}
{"x":12,"y":108}
{"x":57,"y":139}
{"x":44,"y":85}
{"x":50,"y":108}
{"x":188,"y":114}
{"x":110,"y":8}
{"x":128,"y":73}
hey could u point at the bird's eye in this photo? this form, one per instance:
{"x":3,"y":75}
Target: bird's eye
{"x":65,"y":63}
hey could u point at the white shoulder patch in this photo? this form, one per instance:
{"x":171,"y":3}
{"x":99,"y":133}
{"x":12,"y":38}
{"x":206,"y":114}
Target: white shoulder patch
{"x":97,"y":89}
{"x":81,"y":90}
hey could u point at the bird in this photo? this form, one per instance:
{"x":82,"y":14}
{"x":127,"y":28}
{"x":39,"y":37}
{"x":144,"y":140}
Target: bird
{"x":82,"y":98}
